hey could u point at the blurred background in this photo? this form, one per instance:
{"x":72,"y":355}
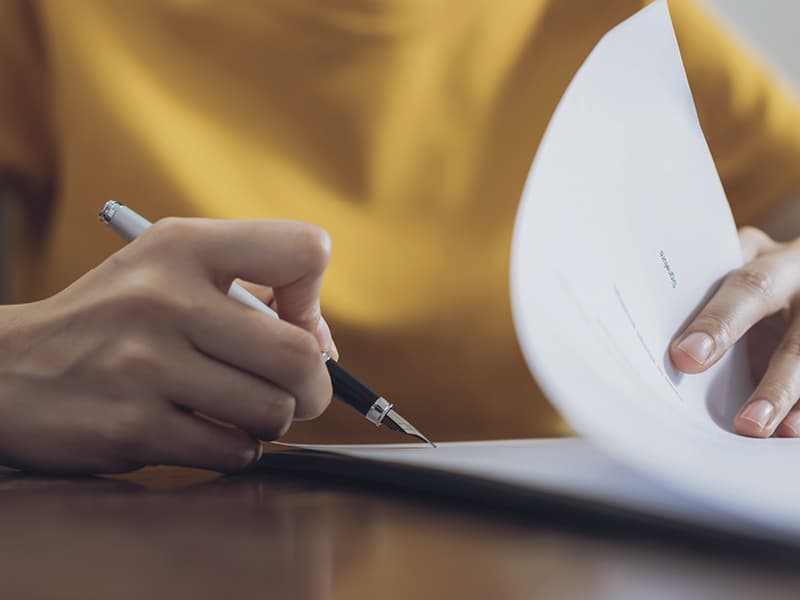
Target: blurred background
{"x":771,"y":26}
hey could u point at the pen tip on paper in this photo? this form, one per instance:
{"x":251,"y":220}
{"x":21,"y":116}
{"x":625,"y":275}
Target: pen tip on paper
{"x":422,"y":438}
{"x":397,"y":423}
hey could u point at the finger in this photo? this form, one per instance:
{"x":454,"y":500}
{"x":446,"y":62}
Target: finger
{"x":323,"y":331}
{"x":231,"y":395}
{"x":286,"y":255}
{"x":760,"y":288}
{"x":754,"y":242}
{"x":325,"y":338}
{"x":187,"y":440}
{"x":790,"y":426}
{"x":272,"y":350}
{"x":777,"y":392}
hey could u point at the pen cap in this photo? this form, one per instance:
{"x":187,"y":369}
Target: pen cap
{"x":127,"y":223}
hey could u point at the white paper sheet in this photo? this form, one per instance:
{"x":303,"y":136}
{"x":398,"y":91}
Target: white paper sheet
{"x":568,"y":466}
{"x":622,"y":232}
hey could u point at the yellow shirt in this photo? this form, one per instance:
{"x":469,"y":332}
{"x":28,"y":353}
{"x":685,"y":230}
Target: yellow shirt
{"x":404,"y":127}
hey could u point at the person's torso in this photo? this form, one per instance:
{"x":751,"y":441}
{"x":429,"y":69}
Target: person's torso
{"x":405,"y":128}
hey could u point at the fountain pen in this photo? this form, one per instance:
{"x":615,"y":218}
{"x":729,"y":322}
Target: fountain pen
{"x":128,"y":224}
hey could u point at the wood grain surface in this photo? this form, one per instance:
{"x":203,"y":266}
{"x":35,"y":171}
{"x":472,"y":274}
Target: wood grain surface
{"x":179,"y":533}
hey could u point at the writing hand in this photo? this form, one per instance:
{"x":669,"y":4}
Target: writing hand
{"x":145,"y":360}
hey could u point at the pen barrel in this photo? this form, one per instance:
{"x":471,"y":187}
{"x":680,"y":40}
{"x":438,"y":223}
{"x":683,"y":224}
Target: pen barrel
{"x":349,"y":389}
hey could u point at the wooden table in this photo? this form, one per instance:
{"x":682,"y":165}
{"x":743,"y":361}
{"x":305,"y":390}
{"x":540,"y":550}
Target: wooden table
{"x":178,"y":533}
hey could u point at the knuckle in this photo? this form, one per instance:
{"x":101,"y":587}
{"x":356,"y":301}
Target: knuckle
{"x":779,"y":392}
{"x":316,"y":245}
{"x":177,"y":235}
{"x":308,"y":320}
{"x":133,"y":360}
{"x":169,"y":230}
{"x":791,"y":345}
{"x":720,"y":327}
{"x":143,"y":301}
{"x":140,"y":362}
{"x":754,"y":280}
{"x":142,"y":297}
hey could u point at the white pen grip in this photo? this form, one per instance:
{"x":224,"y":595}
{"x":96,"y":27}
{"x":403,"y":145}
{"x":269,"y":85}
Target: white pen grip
{"x":237,"y":292}
{"x":128,"y":224}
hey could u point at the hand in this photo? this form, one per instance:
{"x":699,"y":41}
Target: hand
{"x":762,"y":298}
{"x":145,"y":360}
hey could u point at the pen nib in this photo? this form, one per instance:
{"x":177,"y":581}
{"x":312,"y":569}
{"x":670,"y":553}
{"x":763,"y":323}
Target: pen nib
{"x":397,"y":423}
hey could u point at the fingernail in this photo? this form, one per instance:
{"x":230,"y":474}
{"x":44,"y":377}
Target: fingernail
{"x":758,"y":412}
{"x":326,"y":339}
{"x":698,"y":345}
{"x":252,"y":456}
{"x":789,"y":428}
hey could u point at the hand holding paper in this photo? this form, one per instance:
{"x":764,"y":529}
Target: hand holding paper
{"x":625,"y":175}
{"x":628,"y":177}
{"x":766,"y":287}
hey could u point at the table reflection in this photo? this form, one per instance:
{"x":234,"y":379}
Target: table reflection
{"x":182,"y":534}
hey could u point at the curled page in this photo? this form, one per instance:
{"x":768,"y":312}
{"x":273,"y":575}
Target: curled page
{"x":622,"y":234}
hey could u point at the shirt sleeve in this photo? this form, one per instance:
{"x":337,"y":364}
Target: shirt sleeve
{"x":750,"y":116}
{"x":25,"y":161}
